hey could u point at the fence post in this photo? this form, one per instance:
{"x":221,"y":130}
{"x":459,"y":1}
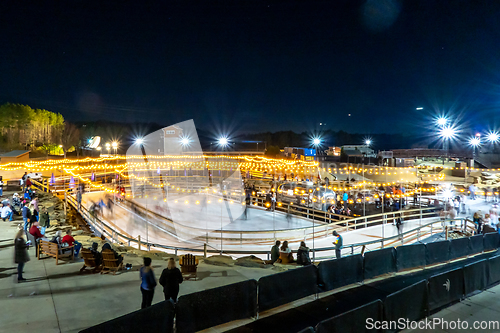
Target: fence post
{"x":139,"y":241}
{"x":205,"y":250}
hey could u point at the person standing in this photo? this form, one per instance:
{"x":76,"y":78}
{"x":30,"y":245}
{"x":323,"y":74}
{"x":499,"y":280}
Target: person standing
{"x":148,"y":283}
{"x":79,"y":198}
{"x":26,"y":216}
{"x":21,"y":256}
{"x":44,"y":219}
{"x":170,"y":279}
{"x":1,"y":186}
{"x":338,"y":244}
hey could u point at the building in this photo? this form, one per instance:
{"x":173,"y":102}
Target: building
{"x":172,"y":140}
{"x":15,"y":156}
{"x":333,"y":151}
{"x":298,"y":153}
{"x":358,"y":150}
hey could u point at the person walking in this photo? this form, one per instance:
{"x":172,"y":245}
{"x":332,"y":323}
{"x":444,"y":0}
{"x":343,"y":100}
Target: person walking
{"x":170,"y":279}
{"x":21,"y":256}
{"x":26,"y":212}
{"x":148,"y":283}
{"x":338,"y":244}
{"x":79,"y":198}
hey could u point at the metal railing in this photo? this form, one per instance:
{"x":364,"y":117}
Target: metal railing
{"x":100,"y":227}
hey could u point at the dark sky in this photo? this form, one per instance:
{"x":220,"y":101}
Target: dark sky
{"x":255,"y":65}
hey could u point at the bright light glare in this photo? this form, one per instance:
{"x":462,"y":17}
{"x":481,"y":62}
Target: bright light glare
{"x":185,"y":141}
{"x":448,"y":193}
{"x":114,"y":144}
{"x":368,"y":142}
{"x":420,"y":108}
{"x":448,"y":132}
{"x":493,"y":137}
{"x":223,"y":141}
{"x":475,"y":141}
{"x":316,"y":141}
{"x":441,"y":121}
{"x":139,"y":141}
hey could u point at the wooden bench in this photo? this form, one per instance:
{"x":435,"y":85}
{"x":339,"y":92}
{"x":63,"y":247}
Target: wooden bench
{"x":53,"y":250}
{"x":189,"y":265}
{"x":109,"y":262}
{"x":89,"y":261}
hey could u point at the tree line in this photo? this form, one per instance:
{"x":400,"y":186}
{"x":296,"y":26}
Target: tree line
{"x":22,"y":127}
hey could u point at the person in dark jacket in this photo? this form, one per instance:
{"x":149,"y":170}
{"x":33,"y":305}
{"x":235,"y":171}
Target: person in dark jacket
{"x":275,"y":252}
{"x":26,"y":212}
{"x":44,"y":220}
{"x":20,"y":254}
{"x":148,"y":283}
{"x":303,"y":255}
{"x":97,"y":255}
{"x":106,"y":246}
{"x":170,"y":279}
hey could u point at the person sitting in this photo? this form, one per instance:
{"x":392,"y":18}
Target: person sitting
{"x":106,"y":246}
{"x":27,"y":195}
{"x":303,"y":255}
{"x":6,"y":212}
{"x":286,"y":255}
{"x":275,"y":252}
{"x":97,"y":255}
{"x":71,"y":241}
{"x":35,"y":231}
{"x":16,"y":201}
{"x":57,"y":239}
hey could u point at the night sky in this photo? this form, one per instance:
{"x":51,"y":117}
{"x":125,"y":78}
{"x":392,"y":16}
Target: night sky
{"x":255,"y":65}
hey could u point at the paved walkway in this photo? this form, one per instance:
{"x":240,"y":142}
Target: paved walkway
{"x":58,"y":299}
{"x":483,"y":308}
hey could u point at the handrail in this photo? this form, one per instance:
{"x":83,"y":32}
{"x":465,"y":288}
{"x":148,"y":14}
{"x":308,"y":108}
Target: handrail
{"x":118,"y":237}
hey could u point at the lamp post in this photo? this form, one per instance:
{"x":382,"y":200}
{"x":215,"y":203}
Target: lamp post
{"x":447,"y":133}
{"x":367,"y":143}
{"x":222,"y":142}
{"x":474,"y":142}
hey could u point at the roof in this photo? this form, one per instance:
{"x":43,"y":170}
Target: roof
{"x":15,"y":153}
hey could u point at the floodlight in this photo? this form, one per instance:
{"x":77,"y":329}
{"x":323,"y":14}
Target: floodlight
{"x":475,"y":142}
{"x":442,"y":121}
{"x":493,"y":137}
{"x":223,"y":141}
{"x":448,"y":132}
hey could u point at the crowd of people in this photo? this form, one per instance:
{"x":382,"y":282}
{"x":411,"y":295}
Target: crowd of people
{"x":281,"y":252}
{"x":489,"y":222}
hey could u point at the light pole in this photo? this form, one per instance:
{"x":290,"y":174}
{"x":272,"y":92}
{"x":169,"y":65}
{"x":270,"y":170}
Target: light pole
{"x":474,"y":142}
{"x":223,"y":142}
{"x":367,"y":143}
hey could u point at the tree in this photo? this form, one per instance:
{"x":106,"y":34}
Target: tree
{"x":70,"y":137}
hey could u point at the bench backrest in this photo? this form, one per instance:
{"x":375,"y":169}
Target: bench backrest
{"x":188,"y":260}
{"x":88,"y":257}
{"x":108,"y":259}
{"x":48,"y":247}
